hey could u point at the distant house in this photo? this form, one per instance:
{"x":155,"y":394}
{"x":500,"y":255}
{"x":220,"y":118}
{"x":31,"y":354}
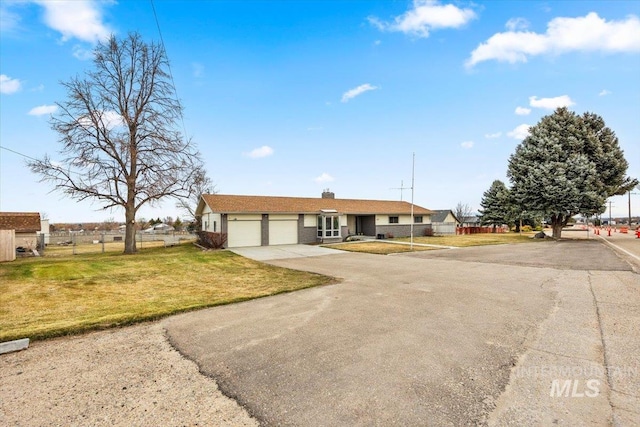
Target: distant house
{"x":470,"y":221}
{"x":264,"y":220}
{"x":159,"y":228}
{"x":444,"y":222}
{"x":26,"y":225}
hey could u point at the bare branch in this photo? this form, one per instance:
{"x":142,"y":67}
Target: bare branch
{"x":117,"y":129}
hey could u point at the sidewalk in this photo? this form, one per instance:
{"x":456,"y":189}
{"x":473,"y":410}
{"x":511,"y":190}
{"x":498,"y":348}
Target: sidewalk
{"x":628,"y":244}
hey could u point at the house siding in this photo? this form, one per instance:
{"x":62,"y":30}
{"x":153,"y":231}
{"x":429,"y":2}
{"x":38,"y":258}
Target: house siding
{"x":402,"y":230}
{"x":307,"y":234}
{"x":264,"y":230}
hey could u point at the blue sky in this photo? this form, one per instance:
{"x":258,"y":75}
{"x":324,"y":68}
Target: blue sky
{"x":287,"y":98}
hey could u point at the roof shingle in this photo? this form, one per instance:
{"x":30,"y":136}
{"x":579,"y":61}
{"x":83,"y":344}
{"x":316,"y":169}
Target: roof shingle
{"x":21,"y":222}
{"x":269,"y":204}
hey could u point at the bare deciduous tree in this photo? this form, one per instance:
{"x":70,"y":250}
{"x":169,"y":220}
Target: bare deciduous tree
{"x":201,"y":185}
{"x":462,"y":211}
{"x":119,"y":137}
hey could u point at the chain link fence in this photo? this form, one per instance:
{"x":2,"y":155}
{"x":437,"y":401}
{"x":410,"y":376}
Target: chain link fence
{"x":73,"y":243}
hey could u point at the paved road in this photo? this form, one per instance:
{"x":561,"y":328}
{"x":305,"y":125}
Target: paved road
{"x":451,"y":337}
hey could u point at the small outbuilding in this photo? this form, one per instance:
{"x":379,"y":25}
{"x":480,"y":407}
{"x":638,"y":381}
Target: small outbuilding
{"x":444,"y":222}
{"x":23,"y":227}
{"x":268,"y":220}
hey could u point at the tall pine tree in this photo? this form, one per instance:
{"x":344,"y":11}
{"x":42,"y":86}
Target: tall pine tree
{"x":568,"y":164}
{"x":496,"y":205}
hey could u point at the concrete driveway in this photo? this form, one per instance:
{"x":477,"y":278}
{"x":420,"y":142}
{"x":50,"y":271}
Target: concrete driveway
{"x":269,"y":253}
{"x":436,"y":338}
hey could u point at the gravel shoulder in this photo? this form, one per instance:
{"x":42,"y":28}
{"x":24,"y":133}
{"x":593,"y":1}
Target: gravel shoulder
{"x":119,"y":377}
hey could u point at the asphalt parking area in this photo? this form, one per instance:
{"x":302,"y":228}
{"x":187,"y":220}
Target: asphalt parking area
{"x":564,"y":254}
{"x":450,"y":337}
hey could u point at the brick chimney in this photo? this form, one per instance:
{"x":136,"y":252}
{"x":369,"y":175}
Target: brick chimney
{"x":327,"y":194}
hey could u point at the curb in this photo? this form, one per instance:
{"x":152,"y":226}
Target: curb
{"x":15,"y":345}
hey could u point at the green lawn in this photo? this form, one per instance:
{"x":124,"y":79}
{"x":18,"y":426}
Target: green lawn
{"x":51,"y":296}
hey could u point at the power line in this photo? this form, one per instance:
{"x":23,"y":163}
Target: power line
{"x":19,"y":154}
{"x":164,"y":49}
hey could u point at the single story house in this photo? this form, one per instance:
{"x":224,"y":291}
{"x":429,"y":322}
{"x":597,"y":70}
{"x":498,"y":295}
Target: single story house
{"x":444,"y":222}
{"x":267,"y":220}
{"x":159,"y":228}
{"x":26,"y":225}
{"x":470,"y":221}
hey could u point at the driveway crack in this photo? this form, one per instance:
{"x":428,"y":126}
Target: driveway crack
{"x":605,"y":355}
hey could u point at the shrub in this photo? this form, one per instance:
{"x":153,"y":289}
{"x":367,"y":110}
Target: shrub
{"x":428,"y":231}
{"x":526,"y":228}
{"x":212,"y":240}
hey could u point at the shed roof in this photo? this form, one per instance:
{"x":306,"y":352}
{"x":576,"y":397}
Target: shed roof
{"x":270,"y":204}
{"x":21,"y":222}
{"x":440,"y":215}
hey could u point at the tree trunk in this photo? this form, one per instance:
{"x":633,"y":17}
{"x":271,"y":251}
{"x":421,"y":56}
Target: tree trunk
{"x":130,"y":231}
{"x":557,"y":222}
{"x":494,"y":228}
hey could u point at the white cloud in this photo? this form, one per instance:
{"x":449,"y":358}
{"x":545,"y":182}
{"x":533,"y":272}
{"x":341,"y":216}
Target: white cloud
{"x":352,"y":93}
{"x":604,"y":92}
{"x":9,"y":85}
{"x":80,"y":19}
{"x":82,"y":53}
{"x":260,"y":152}
{"x":425,"y":16}
{"x":493,"y":135}
{"x":43,"y":110}
{"x":515,"y":24}
{"x":377,"y":42}
{"x":520,"y":132}
{"x":585,"y":33}
{"x":467,"y":144}
{"x":522,"y":111}
{"x":314,"y":128}
{"x":551,"y":103}
{"x":109,"y":119}
{"x":325,"y":177}
{"x":198,"y":69}
{"x":9,"y":20}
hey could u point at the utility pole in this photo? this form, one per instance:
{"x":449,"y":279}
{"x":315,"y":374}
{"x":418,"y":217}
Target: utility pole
{"x":630,"y":193}
{"x":413,"y":169}
{"x":610,"y":203}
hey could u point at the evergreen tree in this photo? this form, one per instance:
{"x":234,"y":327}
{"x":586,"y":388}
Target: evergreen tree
{"x":568,"y":164}
{"x":496,"y":205}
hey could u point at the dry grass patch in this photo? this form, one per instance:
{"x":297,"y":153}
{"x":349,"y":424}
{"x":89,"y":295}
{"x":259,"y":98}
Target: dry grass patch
{"x":50,"y":296}
{"x":465,"y":240}
{"x":379,"y":248}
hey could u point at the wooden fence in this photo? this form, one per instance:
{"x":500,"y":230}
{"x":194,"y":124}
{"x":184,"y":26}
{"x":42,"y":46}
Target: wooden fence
{"x":477,"y":230}
{"x":7,"y":245}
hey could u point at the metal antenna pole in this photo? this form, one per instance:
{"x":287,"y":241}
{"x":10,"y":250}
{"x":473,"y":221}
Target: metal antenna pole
{"x":413,"y":169}
{"x":402,"y":187}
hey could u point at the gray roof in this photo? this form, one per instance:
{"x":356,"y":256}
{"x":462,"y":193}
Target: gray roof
{"x":441,"y":215}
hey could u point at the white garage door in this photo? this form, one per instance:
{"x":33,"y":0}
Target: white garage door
{"x":283,"y":232}
{"x":243,"y":233}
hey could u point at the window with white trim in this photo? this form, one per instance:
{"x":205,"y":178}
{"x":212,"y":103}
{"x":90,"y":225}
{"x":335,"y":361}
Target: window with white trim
{"x":328,"y":225}
{"x":394,"y":220}
{"x":417,"y":219}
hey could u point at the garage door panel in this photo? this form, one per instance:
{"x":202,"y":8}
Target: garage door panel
{"x":244,"y":233}
{"x":283,"y":232}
